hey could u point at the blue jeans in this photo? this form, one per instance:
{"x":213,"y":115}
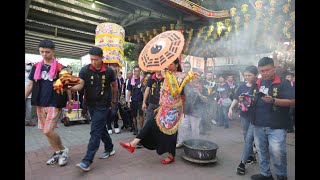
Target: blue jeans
{"x":247,"y":128}
{"x":224,"y":116}
{"x":271,"y":143}
{"x":98,"y":132}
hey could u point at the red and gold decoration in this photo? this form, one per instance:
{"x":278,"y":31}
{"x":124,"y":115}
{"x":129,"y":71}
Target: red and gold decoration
{"x":270,"y":20}
{"x":195,"y":8}
{"x":161,"y":51}
{"x":65,"y":79}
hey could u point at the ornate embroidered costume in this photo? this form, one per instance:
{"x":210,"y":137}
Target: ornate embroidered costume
{"x":171,"y":105}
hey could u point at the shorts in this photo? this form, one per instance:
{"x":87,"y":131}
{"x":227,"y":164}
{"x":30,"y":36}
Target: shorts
{"x":48,"y":117}
{"x":136,"y":108}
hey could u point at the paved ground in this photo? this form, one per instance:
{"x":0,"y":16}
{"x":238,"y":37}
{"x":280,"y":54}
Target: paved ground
{"x":143,"y":163}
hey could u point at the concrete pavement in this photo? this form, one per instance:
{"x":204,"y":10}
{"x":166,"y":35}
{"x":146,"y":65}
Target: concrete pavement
{"x":142,"y":164}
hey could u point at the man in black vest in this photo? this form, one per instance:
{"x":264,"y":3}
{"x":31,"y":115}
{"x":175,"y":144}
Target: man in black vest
{"x":152,"y":93}
{"x":100,"y":92}
{"x":270,"y":118}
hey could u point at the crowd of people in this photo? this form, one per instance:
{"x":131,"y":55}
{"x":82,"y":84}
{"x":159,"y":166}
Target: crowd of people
{"x":171,"y":105}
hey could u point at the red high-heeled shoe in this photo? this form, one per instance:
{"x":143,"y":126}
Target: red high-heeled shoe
{"x":129,"y":148}
{"x":168,"y":162}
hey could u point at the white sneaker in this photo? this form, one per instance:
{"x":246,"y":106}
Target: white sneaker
{"x":110,"y":131}
{"x":214,"y":122}
{"x":63,"y":158}
{"x":117,"y":130}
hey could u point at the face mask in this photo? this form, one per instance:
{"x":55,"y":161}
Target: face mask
{"x":28,"y":68}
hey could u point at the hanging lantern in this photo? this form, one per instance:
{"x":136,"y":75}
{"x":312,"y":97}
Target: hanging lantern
{"x":155,"y":32}
{"x":284,"y":30}
{"x":215,"y":36}
{"x":163,"y":28}
{"x":150,"y":37}
{"x":135,"y":37}
{"x":292,"y":16}
{"x":148,"y":33}
{"x":227,"y":22}
{"x":244,"y":8}
{"x":271,"y":11}
{"x":258,"y":4}
{"x":273,"y":2}
{"x":211,"y":28}
{"x":219,"y":24}
{"x":172,"y":26}
{"x":285,"y":8}
{"x":237,"y":19}
{"x":288,"y":34}
{"x":145,"y":40}
{"x":233,"y":11}
{"x":199,"y":32}
{"x":141,"y":35}
{"x":219,"y":31}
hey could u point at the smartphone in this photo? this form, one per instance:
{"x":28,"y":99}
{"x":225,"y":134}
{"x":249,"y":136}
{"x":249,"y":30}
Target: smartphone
{"x":247,"y":95}
{"x":261,"y":94}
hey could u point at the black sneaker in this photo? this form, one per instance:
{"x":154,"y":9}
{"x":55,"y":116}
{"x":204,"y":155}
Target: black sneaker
{"x":261,"y":177}
{"x":282,"y":178}
{"x":241,"y":169}
{"x":252,"y":159}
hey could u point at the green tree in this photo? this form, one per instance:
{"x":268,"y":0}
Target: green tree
{"x":75,"y":66}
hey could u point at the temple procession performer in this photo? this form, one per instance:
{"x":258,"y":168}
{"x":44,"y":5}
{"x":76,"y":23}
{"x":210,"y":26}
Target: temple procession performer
{"x":100,"y":88}
{"x":160,"y":134}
